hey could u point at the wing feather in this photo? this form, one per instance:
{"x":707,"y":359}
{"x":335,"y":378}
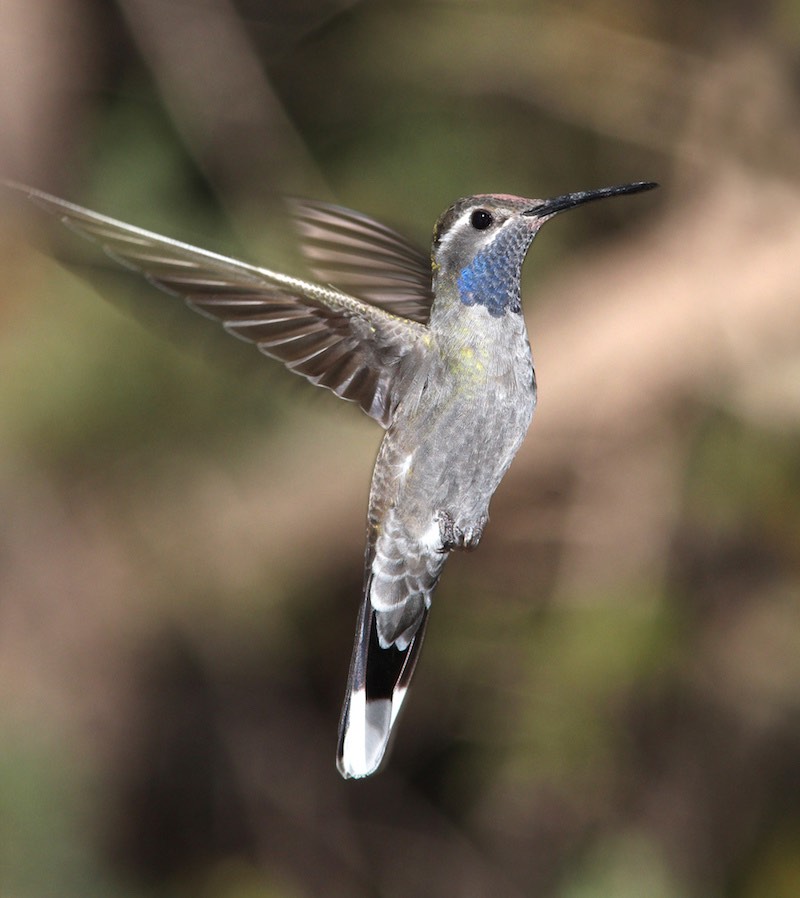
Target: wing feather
{"x":355,"y":349}
{"x":363,"y":256}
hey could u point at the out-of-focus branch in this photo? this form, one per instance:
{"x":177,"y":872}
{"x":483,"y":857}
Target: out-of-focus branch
{"x":47,"y":63}
{"x":616,"y":82}
{"x":220,"y":98}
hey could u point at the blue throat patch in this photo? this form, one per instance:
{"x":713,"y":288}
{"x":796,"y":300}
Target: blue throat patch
{"x":492,"y":278}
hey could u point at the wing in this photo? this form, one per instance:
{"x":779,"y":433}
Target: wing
{"x":332,"y":339}
{"x":364,"y":257}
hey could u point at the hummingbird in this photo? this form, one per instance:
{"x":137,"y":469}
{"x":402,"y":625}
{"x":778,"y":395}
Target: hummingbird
{"x":434,"y":348}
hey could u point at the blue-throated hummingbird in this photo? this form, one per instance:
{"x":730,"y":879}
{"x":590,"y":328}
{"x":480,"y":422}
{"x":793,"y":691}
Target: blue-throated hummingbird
{"x":434,"y":349}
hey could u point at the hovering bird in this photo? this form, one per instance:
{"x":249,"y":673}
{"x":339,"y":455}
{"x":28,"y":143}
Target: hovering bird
{"x":435,"y":349}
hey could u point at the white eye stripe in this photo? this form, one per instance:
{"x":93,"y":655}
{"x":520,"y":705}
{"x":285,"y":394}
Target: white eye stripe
{"x":464,"y":223}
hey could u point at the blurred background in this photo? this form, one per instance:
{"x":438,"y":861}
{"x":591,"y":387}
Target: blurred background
{"x":608,"y":703}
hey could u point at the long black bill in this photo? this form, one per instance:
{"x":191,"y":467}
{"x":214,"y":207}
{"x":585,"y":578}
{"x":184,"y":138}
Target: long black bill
{"x":568,"y":200}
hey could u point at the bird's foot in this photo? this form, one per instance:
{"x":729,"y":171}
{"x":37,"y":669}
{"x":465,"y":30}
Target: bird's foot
{"x":455,"y":537}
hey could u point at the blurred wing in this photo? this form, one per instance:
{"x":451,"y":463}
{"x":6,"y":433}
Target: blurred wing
{"x":332,"y":339}
{"x":363,"y":256}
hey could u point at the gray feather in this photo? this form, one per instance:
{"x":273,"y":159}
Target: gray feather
{"x":333,"y":339}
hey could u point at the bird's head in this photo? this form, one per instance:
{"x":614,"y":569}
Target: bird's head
{"x":480,"y":242}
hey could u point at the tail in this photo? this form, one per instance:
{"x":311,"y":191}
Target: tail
{"x":376,"y":688}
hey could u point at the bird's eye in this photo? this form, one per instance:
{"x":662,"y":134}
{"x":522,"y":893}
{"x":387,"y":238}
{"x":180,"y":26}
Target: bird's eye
{"x":481,"y":219}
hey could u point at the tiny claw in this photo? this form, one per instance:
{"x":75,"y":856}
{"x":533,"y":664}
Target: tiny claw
{"x":455,"y":537}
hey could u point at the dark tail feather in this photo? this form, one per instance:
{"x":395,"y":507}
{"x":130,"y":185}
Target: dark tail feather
{"x":376,"y":687}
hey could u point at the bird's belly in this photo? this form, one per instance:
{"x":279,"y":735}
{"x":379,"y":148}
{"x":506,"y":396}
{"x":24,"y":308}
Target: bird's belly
{"x":454,"y":453}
